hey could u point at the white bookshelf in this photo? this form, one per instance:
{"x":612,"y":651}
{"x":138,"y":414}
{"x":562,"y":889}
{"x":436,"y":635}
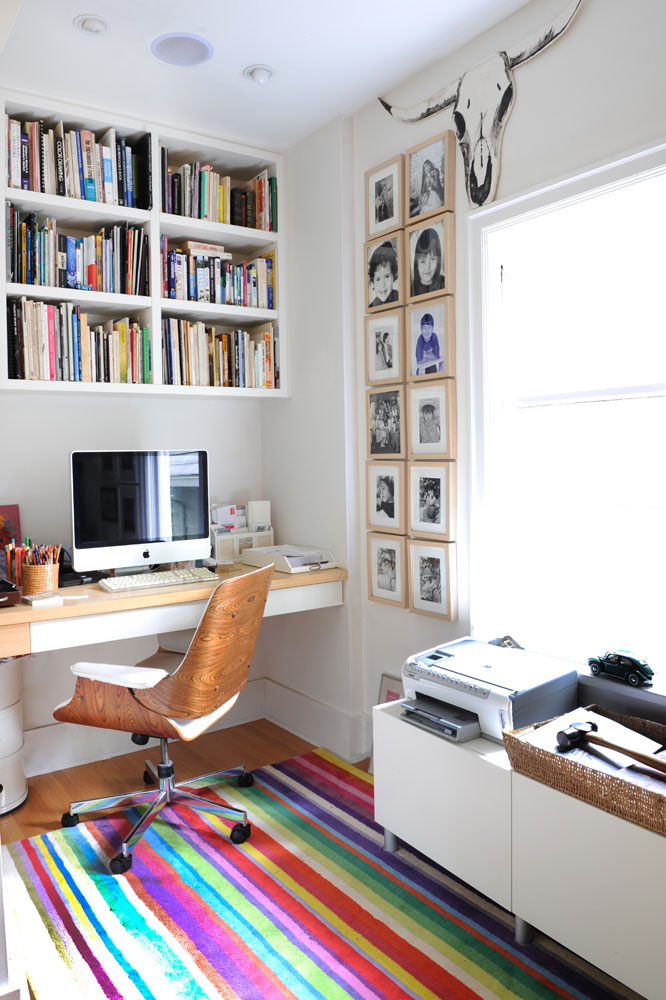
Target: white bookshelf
{"x":86,"y":217}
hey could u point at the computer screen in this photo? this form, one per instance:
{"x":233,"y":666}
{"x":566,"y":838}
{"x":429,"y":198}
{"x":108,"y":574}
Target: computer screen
{"x":138,"y":508}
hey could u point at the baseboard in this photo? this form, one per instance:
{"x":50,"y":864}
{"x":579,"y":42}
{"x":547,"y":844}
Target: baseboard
{"x":324,"y":725}
{"x":52,"y":748}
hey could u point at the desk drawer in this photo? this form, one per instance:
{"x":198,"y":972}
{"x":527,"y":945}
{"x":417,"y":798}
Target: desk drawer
{"x":14,"y":639}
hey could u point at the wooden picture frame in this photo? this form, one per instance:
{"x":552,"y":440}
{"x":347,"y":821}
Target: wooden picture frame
{"x":386,"y":498}
{"x":385,"y":347}
{"x":386,"y":431}
{"x":430,"y":177}
{"x":430,"y":248}
{"x":431,"y":411}
{"x":384,"y":202}
{"x":432,"y":500}
{"x":384,"y":274}
{"x":430,"y":337}
{"x":390,"y":689}
{"x":432,"y":579}
{"x":387,"y":569}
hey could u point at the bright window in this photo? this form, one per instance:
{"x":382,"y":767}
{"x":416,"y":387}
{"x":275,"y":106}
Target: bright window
{"x":569,"y":525}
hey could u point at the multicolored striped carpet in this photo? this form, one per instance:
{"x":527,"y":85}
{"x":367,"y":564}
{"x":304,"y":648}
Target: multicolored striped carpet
{"x":310,"y":907}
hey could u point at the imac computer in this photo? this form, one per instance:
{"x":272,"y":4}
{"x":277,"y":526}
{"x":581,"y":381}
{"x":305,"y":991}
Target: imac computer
{"x":138,"y":508}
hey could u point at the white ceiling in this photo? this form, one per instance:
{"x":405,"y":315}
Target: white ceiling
{"x":329,"y":58}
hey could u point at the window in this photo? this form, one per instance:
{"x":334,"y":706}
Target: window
{"x":569,"y":512}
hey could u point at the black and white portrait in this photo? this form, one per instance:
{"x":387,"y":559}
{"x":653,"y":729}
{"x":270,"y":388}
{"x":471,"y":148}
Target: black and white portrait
{"x":385,"y":499}
{"x":431,"y":339}
{"x":432,"y":420}
{"x":432,"y":500}
{"x":385,"y":423}
{"x":427,"y":259}
{"x":426,"y":173}
{"x":386,"y":569}
{"x":383,"y":272}
{"x":383,"y":194}
{"x":432,"y":579}
{"x":385,"y":346}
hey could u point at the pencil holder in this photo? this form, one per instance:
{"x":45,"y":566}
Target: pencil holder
{"x":40,"y":578}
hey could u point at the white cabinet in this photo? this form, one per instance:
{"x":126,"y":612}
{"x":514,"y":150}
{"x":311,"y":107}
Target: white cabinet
{"x":450,"y":801}
{"x":81,"y":218}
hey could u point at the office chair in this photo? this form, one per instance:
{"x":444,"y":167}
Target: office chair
{"x":171,"y":696}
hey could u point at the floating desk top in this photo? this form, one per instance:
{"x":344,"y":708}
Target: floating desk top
{"x":103,"y":616}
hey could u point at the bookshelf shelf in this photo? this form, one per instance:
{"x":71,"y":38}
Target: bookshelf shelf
{"x":79,"y":217}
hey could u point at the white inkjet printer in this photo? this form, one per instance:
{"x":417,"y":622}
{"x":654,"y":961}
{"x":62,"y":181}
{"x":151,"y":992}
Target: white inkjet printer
{"x":507,"y":688}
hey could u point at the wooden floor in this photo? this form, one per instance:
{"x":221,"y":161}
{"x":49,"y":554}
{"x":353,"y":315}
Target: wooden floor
{"x":253,"y":744}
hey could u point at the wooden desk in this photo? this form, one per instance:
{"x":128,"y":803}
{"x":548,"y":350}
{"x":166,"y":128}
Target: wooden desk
{"x":102,"y":616}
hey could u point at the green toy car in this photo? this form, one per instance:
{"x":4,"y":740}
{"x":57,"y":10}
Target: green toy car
{"x":624,"y":665}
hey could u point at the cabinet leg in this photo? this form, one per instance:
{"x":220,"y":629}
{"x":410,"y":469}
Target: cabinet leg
{"x":524,"y":932}
{"x":390,"y":841}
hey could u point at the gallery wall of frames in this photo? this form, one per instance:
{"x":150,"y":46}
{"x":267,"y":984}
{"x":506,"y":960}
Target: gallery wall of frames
{"x":409,"y":281}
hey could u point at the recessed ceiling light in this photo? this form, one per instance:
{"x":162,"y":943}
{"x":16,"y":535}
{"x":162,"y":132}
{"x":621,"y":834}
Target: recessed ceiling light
{"x":91,"y":24}
{"x":259,"y":73}
{"x":180,"y":49}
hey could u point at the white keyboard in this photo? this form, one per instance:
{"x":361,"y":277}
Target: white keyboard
{"x":167,"y":578}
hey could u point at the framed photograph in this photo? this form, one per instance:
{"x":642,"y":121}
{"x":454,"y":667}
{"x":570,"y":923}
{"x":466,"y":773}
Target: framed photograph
{"x":431,"y":251}
{"x":386,"y":507}
{"x":387,"y":570}
{"x":384,"y":347}
{"x":432,"y":420}
{"x":386,"y":422}
{"x":432,"y":500}
{"x":384,"y":272}
{"x":430,"y":177}
{"x":431,"y":339}
{"x":383,"y":197}
{"x":432,"y":587}
{"x":390,"y":689}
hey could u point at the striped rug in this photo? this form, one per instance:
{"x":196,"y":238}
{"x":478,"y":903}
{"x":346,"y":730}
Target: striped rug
{"x":310,"y":907}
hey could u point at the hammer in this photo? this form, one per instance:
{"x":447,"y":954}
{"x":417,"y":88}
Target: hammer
{"x":581,"y":732}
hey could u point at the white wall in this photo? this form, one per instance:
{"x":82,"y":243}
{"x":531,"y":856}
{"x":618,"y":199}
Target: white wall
{"x":593,"y":95}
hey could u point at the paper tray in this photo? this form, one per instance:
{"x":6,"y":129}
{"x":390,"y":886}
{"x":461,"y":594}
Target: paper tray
{"x":614,"y":795}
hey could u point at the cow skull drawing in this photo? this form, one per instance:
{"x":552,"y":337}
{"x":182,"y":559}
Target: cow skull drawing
{"x":482,"y":99}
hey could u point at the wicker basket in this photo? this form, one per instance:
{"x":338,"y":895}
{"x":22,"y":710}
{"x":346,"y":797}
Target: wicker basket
{"x":40,"y":578}
{"x":613,"y":795}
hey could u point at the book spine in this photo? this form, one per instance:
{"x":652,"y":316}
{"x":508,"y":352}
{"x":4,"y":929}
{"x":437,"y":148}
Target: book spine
{"x":60,"y":166}
{"x":120,"y":171}
{"x":129,"y":181}
{"x":14,"y":173}
{"x":79,"y":163}
{"x":145,"y":354}
{"x":25,"y":161}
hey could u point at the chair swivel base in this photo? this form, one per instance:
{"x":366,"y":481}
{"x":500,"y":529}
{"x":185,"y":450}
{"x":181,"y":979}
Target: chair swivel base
{"x":168,"y":793}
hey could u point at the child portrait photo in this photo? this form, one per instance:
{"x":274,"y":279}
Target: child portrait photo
{"x":432,"y":339}
{"x":386,"y":496}
{"x":431,"y":255}
{"x":431,"y":579}
{"x":384,"y":343}
{"x":383,"y":197}
{"x":386,"y":569}
{"x":385,"y":417}
{"x":430,"y":176}
{"x":432,"y":420}
{"x":432,"y":500}
{"x":384,"y":272}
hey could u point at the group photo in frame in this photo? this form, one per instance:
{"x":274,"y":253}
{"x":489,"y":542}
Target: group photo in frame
{"x":383,"y":197}
{"x":385,"y":497}
{"x":430,"y":177}
{"x":431,"y":339}
{"x":431,"y":251}
{"x":384,"y":272}
{"x":432,"y":587}
{"x":432,"y":500}
{"x":384,"y":347}
{"x":385,"y":427}
{"x":432,"y":420}
{"x":387,"y":569}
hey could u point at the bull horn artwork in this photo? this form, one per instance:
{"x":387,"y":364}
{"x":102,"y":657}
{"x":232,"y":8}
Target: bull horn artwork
{"x":481,"y":100}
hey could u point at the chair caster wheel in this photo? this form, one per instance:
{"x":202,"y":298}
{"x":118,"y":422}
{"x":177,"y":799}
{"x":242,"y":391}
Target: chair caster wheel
{"x":120,"y":864}
{"x":245,"y":780}
{"x":239,"y":833}
{"x":69,"y":819}
{"x":148,"y":778}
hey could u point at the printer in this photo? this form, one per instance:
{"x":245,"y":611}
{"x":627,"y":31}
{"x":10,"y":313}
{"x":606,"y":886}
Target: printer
{"x":507,"y":688}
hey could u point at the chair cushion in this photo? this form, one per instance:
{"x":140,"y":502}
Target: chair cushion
{"x":119,"y":674}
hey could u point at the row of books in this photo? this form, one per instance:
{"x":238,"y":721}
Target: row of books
{"x":198,"y":191}
{"x":205,"y":277}
{"x":115,"y":259}
{"x":77,"y":163}
{"x":196,"y":354}
{"x":56,"y":342}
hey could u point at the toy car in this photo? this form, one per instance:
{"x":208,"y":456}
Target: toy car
{"x":624,"y":665}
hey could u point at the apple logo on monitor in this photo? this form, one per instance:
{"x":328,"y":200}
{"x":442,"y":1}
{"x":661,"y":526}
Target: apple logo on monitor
{"x":146,"y":554}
